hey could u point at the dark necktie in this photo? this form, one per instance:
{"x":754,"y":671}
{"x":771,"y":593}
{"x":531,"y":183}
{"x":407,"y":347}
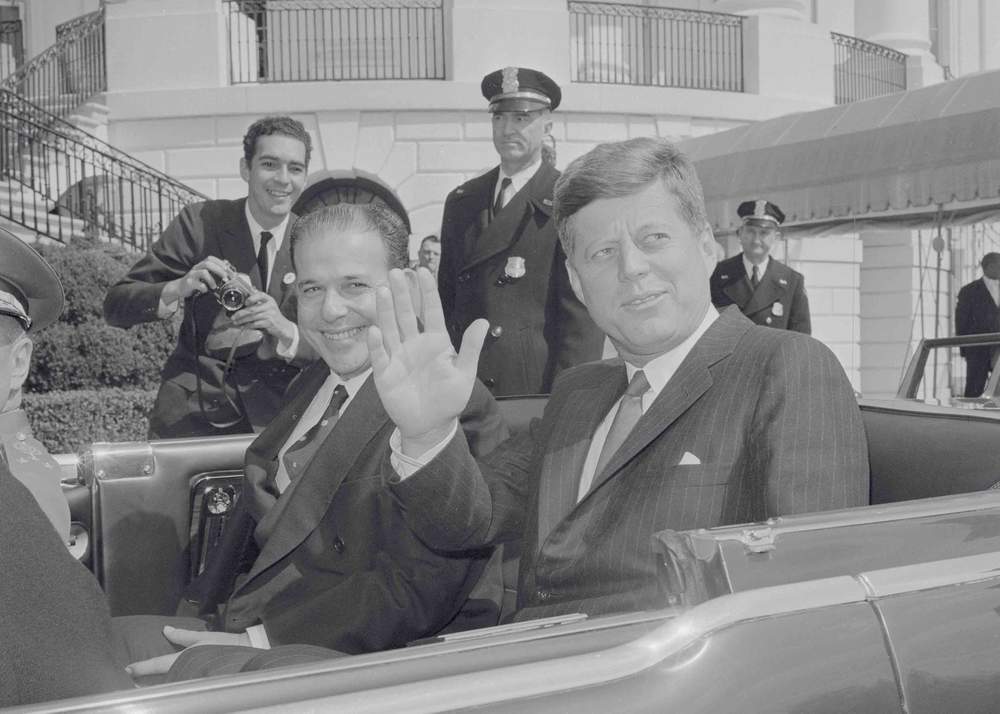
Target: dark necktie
{"x":301,"y":452}
{"x":629,"y":412}
{"x":265,"y":238}
{"x":755,"y":278}
{"x":501,"y":195}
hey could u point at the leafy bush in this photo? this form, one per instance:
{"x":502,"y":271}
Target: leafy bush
{"x":86,"y":275}
{"x":69,"y":421}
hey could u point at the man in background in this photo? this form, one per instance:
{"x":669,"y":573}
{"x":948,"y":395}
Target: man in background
{"x":230,"y":367}
{"x":429,"y":255}
{"x":766,"y":290}
{"x":500,"y":257}
{"x":31,"y":298}
{"x":978,"y":311}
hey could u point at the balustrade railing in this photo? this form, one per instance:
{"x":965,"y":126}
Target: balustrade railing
{"x":317,"y":40}
{"x":664,"y":47}
{"x":54,"y":170}
{"x":862,"y":69}
{"x":68,"y":73}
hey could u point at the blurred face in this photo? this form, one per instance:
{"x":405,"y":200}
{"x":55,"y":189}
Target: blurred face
{"x":337,"y":275}
{"x":517,"y":137}
{"x":992,"y":269}
{"x":757,"y":237}
{"x":15,"y":360}
{"x":275,"y":176}
{"x":641,"y":270}
{"x":429,"y":255}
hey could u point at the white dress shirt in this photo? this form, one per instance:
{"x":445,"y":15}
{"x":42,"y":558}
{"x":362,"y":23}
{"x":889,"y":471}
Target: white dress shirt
{"x":761,"y":269}
{"x":517,"y":181}
{"x":993,"y":285}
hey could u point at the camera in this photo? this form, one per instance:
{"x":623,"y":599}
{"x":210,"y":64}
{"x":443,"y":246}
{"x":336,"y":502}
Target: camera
{"x":233,"y":293}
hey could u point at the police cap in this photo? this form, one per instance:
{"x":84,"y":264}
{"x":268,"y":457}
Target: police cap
{"x":760,"y":210}
{"x":519,"y":89}
{"x":30,"y":290}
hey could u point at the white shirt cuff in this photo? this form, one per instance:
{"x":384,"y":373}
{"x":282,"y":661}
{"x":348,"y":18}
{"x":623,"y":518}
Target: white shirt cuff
{"x":289,"y":354}
{"x":166,"y":309}
{"x":258,"y":637}
{"x":405,"y":466}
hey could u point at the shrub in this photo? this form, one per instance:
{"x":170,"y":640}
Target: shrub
{"x":69,"y":421}
{"x":86,"y":274}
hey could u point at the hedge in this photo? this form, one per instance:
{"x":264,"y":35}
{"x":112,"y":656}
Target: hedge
{"x":86,"y":274}
{"x":70,"y":421}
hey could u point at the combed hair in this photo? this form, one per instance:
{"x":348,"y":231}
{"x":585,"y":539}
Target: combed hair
{"x":990,"y":259}
{"x":623,"y":168}
{"x":269,"y":126}
{"x":373,"y":217}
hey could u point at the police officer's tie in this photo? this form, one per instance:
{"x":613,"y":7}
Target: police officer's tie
{"x":629,"y":412}
{"x":299,"y":454}
{"x":755,"y":278}
{"x":265,"y":238}
{"x":501,"y":195}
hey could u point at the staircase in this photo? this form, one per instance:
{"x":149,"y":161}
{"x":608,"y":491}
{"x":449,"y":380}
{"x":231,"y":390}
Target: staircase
{"x":59,"y":178}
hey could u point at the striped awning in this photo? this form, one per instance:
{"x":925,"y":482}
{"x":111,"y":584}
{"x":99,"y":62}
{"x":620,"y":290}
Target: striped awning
{"x":903,"y":160}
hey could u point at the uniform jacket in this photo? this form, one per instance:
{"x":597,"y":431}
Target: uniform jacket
{"x":216,"y":228}
{"x":54,"y":620}
{"x":755,"y":423}
{"x":32,"y":464}
{"x":538,"y":327}
{"x":779,"y":300}
{"x":976,"y":313}
{"x":331,"y":562}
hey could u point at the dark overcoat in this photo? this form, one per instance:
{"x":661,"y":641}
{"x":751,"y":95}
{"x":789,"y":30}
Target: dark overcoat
{"x":537,"y":326}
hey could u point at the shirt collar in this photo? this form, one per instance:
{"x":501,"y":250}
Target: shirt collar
{"x":660,"y":369}
{"x":277,"y":233}
{"x":521,"y":178}
{"x":354,"y":384}
{"x":763,"y":265}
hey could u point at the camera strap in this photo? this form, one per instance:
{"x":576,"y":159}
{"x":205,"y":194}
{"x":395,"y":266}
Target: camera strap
{"x":226,"y":369}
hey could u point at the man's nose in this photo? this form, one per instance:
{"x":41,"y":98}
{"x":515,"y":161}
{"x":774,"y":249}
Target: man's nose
{"x":333,"y":307}
{"x":632,"y":262}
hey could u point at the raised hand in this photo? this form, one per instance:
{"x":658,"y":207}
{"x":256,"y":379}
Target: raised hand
{"x":205,"y":275}
{"x":423,"y":384}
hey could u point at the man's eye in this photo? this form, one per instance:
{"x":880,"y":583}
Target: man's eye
{"x":655,"y":238}
{"x":602,"y":253}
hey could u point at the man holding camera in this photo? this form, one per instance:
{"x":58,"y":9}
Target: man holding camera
{"x":228,"y":263}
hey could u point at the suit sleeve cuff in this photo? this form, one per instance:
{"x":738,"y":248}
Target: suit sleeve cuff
{"x":258,"y":637}
{"x":166,"y":309}
{"x":405,"y":466}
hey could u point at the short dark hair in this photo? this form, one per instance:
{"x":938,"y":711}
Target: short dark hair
{"x":990,"y":259}
{"x":430,"y":239}
{"x":269,"y":126}
{"x":375,"y":217}
{"x":623,"y":168}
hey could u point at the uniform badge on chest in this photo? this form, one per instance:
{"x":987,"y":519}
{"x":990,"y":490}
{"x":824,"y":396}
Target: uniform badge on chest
{"x":777,"y":309}
{"x":513,"y":270}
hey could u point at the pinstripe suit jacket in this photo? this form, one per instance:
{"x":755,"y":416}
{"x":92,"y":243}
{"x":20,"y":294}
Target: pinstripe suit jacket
{"x":769,"y":414}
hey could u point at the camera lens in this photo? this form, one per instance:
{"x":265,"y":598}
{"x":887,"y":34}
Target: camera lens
{"x":233,"y":299}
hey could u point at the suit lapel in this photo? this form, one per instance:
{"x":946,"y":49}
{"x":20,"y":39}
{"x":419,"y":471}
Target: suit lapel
{"x":738,"y":287}
{"x":691,"y":380}
{"x":506,"y":227}
{"x":770,"y":290}
{"x":236,"y":243}
{"x":307,"y":499}
{"x":569,"y":444}
{"x":282,"y":265}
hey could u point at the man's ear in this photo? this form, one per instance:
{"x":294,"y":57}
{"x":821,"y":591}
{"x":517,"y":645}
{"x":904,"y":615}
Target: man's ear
{"x":244,"y":170}
{"x":19,"y":354}
{"x":574,"y":282}
{"x":708,"y":249}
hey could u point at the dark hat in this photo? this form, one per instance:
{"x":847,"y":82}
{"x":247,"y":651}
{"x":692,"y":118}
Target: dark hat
{"x":518,"y":89}
{"x":760,"y":210}
{"x":29,"y":288}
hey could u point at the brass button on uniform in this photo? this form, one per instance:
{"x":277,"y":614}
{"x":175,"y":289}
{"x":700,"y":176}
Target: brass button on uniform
{"x":338,"y":544}
{"x":496,"y":331}
{"x":489,"y":382}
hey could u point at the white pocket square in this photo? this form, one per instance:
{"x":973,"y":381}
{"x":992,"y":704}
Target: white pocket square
{"x":689,"y":459}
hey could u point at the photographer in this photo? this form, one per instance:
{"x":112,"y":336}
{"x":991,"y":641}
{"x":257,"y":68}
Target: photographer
{"x":228,"y":264}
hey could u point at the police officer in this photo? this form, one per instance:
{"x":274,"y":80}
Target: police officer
{"x":500,"y":257}
{"x":767,"y":291}
{"x":31,"y":298}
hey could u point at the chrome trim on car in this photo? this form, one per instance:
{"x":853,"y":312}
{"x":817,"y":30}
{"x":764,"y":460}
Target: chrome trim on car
{"x":934,"y":574}
{"x":105,"y":461}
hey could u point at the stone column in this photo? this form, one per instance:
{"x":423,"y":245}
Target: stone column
{"x":904,"y":26}
{"x":153,"y":44}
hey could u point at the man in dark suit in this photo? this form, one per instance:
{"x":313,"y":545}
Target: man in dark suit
{"x":230,"y":367}
{"x":500,"y":257}
{"x":319,"y":552}
{"x":978,"y":311}
{"x":721,"y":421}
{"x":765,"y":290}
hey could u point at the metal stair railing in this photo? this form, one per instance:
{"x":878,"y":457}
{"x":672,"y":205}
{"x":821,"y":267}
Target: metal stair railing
{"x":68,"y":73}
{"x":55,"y":171}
